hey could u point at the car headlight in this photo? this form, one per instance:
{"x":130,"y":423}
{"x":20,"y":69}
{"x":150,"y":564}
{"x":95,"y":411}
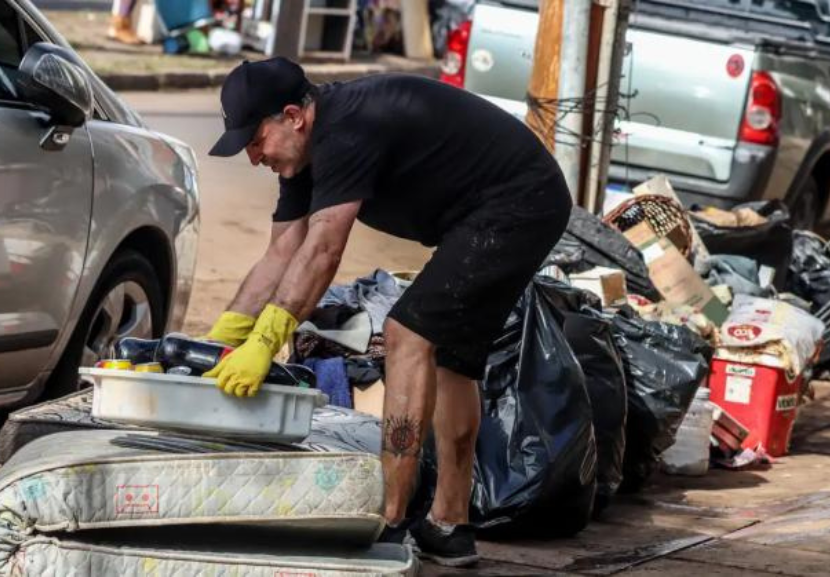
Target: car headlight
{"x":191,"y":165}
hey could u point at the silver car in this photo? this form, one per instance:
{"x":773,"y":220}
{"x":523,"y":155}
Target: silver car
{"x":99,"y":215}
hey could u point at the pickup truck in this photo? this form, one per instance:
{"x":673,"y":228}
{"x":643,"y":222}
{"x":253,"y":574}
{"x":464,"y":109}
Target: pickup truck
{"x":729,"y":98}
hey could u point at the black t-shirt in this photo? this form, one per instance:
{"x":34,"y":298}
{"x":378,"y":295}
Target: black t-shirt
{"x":420,"y":155}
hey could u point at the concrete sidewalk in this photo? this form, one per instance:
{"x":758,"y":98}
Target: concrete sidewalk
{"x":750,"y":523}
{"x":145,"y":67}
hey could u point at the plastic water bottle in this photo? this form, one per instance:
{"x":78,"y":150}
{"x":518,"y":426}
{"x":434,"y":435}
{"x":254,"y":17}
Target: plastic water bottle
{"x":690,"y":453}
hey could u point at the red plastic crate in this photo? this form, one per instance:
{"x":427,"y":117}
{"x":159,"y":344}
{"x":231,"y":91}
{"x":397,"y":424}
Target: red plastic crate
{"x":761,"y":398}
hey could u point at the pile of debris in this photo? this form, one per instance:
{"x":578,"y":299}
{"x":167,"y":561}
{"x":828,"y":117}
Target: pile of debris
{"x":652,"y":338}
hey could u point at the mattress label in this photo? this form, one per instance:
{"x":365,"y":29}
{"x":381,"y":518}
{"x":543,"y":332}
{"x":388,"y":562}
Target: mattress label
{"x":738,"y":389}
{"x":137,"y":500}
{"x":786,"y":402}
{"x":742,"y":370}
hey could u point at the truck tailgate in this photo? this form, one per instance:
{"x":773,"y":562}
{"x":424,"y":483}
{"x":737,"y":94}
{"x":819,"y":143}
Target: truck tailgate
{"x":685,"y":103}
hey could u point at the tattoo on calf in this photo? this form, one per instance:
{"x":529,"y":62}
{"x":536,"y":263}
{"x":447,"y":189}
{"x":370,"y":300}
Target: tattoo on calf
{"x":401,"y":436}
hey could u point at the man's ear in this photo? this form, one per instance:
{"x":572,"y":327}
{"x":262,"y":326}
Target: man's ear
{"x":295,"y":115}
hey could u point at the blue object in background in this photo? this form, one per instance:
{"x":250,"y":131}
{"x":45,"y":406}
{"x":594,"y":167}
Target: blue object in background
{"x":332,"y":380}
{"x":178,"y":14}
{"x":175,"y":45}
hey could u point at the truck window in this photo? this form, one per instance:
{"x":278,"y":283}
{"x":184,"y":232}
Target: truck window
{"x":805,"y":21}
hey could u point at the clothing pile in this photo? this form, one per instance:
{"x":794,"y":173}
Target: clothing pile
{"x":343,"y":343}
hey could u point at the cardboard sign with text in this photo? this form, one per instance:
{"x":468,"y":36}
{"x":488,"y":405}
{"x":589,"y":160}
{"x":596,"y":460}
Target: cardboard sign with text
{"x":672,"y":274}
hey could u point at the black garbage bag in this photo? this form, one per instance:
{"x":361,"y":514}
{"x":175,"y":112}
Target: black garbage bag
{"x":770,"y":244}
{"x":592,"y":341}
{"x":809,"y":275}
{"x":664,"y":366}
{"x":535,"y":468}
{"x":588,"y":242}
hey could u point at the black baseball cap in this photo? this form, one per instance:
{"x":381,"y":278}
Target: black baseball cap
{"x":252,"y":92}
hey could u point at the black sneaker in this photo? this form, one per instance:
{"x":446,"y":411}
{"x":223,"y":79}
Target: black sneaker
{"x":398,"y":535}
{"x":452,"y":548}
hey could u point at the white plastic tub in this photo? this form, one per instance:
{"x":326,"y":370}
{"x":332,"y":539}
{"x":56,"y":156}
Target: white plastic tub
{"x":277,"y":413}
{"x":689,"y":455}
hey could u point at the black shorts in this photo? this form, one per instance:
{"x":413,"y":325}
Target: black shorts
{"x":462,"y":298}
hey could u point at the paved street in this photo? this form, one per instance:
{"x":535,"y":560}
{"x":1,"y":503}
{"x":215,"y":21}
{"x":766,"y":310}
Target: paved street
{"x":237,"y":202}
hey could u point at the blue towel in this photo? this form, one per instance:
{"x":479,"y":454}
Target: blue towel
{"x":332,"y":380}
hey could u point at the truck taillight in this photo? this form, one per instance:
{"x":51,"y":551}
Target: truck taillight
{"x":455,"y":60}
{"x":763,"y":110}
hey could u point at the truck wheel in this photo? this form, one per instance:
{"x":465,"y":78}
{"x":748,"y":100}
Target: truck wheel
{"x":804,"y":212}
{"x":127,"y":301}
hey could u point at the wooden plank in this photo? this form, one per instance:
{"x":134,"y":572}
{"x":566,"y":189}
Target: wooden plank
{"x":543,"y":89}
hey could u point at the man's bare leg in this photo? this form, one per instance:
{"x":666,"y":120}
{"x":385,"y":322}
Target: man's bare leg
{"x":407,"y":411}
{"x":455,"y":425}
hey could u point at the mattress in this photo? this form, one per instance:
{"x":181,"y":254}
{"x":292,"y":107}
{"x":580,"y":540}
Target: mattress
{"x":333,"y":429}
{"x":96,"y":480}
{"x":50,"y":557}
{"x":98,"y":501}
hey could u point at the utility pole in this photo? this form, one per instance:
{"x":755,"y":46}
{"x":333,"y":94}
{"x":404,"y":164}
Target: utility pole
{"x":285,"y":23}
{"x":543,"y":89}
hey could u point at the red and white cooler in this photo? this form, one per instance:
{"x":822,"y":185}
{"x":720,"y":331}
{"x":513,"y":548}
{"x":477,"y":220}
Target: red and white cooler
{"x":758,"y":373}
{"x":760,"y":395}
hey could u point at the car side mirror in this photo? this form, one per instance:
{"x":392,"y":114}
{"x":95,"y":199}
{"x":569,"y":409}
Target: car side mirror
{"x":50,"y":79}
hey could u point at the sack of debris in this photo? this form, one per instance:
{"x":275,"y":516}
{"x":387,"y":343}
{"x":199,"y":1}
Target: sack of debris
{"x":592,"y":341}
{"x":809,"y":275}
{"x":760,"y":231}
{"x":535,"y":468}
{"x":588,"y":242}
{"x":664,"y":366}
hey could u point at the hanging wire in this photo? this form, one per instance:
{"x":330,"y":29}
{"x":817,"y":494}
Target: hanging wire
{"x":560,"y":108}
{"x":541,"y":108}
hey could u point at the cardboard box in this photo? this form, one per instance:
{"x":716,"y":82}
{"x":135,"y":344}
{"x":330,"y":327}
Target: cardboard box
{"x":673,"y":276}
{"x":607,"y":283}
{"x":369,"y":398}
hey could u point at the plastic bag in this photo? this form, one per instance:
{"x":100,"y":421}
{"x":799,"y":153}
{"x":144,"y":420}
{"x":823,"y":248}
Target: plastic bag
{"x":339,"y":430}
{"x":769,"y":244}
{"x":664,"y":366}
{"x":535,"y":466}
{"x":809,"y":275}
{"x":592,"y":341}
{"x":588,"y":242}
{"x":755,"y":323}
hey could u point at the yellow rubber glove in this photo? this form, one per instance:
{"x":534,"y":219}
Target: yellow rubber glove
{"x":231,"y":329}
{"x":242,"y":372}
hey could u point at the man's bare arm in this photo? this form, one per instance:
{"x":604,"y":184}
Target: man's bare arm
{"x":265,"y":276}
{"x":315,"y":264}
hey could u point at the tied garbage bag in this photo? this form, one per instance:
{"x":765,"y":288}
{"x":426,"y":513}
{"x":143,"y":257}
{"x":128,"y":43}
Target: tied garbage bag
{"x":664,"y":366}
{"x":809,"y":275}
{"x":769,"y":243}
{"x":592,"y":341}
{"x":588,"y":242}
{"x":535,"y":466}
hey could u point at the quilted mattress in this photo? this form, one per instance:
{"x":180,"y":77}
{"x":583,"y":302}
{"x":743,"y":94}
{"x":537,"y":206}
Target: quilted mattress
{"x":50,"y":557}
{"x":333,"y":429}
{"x":66,"y":496}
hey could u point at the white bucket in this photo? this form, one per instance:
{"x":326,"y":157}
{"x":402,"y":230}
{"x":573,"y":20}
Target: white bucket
{"x":690,"y":453}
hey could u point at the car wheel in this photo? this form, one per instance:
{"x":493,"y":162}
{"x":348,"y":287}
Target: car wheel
{"x":128,"y":301}
{"x":804,"y":211}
